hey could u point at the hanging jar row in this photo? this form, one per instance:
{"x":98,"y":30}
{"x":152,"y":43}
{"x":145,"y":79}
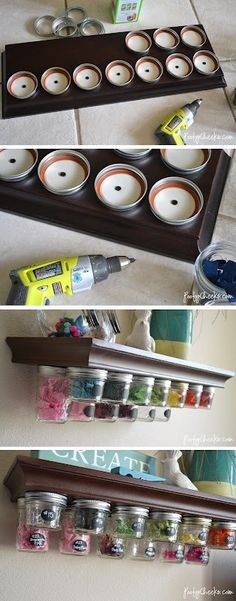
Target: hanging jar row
{"x":118,"y":531}
{"x":86,"y":394}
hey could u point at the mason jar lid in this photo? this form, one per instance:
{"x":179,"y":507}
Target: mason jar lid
{"x":83,"y":371}
{"x":144,"y":380}
{"x":48,"y":370}
{"x":130,"y":510}
{"x":210,"y":389}
{"x":46,"y":496}
{"x":176,"y":517}
{"x":231,"y":525}
{"x":21,"y":502}
{"x":162,"y":382}
{"x":197,"y":387}
{"x":91,"y":504}
{"x":121,"y":377}
{"x":197,"y":520}
{"x":181,"y":385}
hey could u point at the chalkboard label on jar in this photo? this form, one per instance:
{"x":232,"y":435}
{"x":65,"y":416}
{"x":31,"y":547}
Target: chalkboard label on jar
{"x":79,"y":545}
{"x":37,"y":539}
{"x":137,"y":527}
{"x":150,"y":552}
{"x":117,"y":549}
{"x":170,"y":531}
{"x":202,"y":536}
{"x":48,"y":515}
{"x":230,"y":539}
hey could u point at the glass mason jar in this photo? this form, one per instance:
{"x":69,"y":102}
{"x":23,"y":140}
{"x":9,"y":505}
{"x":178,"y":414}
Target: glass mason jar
{"x":85,"y":383}
{"x":81,"y":411}
{"x":222,"y":535}
{"x":163,"y":526}
{"x":204,"y":291}
{"x":140,"y":390}
{"x":194,"y":531}
{"x":128,"y":521}
{"x":128,"y":413}
{"x":160,"y":392}
{"x":207,"y":397}
{"x":44,"y":509}
{"x":52,"y":394}
{"x":146,"y":413}
{"x":111,"y":546}
{"x":198,"y":555}
{"x":172,"y":552}
{"x":177,"y":394}
{"x":28,"y":538}
{"x":193,"y":395}
{"x":90,"y":515}
{"x":107,"y":412}
{"x":117,"y":387}
{"x":72,"y":542}
{"x":143,"y":550}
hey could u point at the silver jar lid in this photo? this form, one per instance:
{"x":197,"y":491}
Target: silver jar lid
{"x":230,"y":525}
{"x":71,"y":13}
{"x":64,"y":27}
{"x":181,"y":385}
{"x":21,"y":502}
{"x":51,"y":497}
{"x":43,"y":26}
{"x":144,"y":380}
{"x":82,"y":371}
{"x":130,"y":510}
{"x":196,"y":387}
{"x":91,"y":27}
{"x":163,"y":382}
{"x":210,"y":389}
{"x":162,"y":515}
{"x":118,"y":376}
{"x":197,"y":520}
{"x":49,"y":370}
{"x":91,"y":504}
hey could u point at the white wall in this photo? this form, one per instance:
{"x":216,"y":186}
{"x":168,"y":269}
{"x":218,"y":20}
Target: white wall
{"x":55,"y":577}
{"x":214,"y":343}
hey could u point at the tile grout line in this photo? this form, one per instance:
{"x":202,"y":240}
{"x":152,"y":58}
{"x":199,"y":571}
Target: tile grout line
{"x":77,"y":125}
{"x":194,"y":10}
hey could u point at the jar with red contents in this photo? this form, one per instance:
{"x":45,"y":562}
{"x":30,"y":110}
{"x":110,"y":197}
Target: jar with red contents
{"x":197,"y":555}
{"x":172,"y":552}
{"x":52,"y":394}
{"x":193,"y":395}
{"x":207,"y":397}
{"x":222,"y":535}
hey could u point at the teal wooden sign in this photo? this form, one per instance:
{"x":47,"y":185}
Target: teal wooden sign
{"x":100,"y":459}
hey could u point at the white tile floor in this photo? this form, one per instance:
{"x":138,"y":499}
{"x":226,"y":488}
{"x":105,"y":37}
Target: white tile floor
{"x":135,"y":122}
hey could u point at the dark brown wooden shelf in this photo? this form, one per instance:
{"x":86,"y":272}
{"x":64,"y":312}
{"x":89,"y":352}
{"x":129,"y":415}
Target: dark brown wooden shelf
{"x":90,"y":352}
{"x":138,"y":227}
{"x":29,"y":473}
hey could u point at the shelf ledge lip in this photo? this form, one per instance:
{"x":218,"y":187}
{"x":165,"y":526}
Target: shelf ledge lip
{"x":90,"y":352}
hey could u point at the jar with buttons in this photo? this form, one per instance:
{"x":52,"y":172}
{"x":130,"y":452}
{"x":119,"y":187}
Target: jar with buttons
{"x":29,"y":538}
{"x":117,"y":387}
{"x":128,"y":521}
{"x":177,"y":394}
{"x":111,"y":546}
{"x":198,"y":555}
{"x":91,"y":515}
{"x":140,"y":390}
{"x":44,"y":509}
{"x":163,"y":526}
{"x":222,"y":535}
{"x":52,"y":394}
{"x":194,"y":531}
{"x":172,"y":552}
{"x":193,"y":395}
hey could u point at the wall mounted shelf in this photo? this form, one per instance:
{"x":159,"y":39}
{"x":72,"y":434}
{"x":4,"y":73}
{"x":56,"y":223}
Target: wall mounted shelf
{"x":28,"y":473}
{"x":90,"y":352}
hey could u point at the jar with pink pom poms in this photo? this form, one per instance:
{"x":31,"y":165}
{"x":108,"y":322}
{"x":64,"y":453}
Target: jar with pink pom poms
{"x":71,"y":541}
{"x":27,"y":537}
{"x":52,"y":394}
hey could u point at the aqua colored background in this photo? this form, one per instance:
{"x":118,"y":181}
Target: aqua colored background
{"x":100,"y":459}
